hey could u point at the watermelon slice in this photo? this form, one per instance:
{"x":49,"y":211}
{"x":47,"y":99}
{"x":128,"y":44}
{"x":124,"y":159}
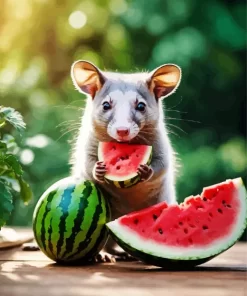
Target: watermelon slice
{"x":122,"y":161}
{"x":188,"y":234}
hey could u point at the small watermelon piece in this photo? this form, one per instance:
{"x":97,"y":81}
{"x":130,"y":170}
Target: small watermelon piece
{"x":189,"y":234}
{"x":69,"y":221}
{"x":122,"y":161}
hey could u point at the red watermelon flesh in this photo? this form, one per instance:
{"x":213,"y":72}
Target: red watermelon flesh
{"x":197,"y":221}
{"x":123,"y":159}
{"x":200,"y":226}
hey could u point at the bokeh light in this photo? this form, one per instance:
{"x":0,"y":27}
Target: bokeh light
{"x":26,"y":156}
{"x":77,"y":19}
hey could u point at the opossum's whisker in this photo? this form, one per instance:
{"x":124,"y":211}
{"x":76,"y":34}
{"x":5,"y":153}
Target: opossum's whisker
{"x":172,"y":110}
{"x":182,"y":119}
{"x":146,"y":132}
{"x":68,"y":122}
{"x":169,"y":131}
{"x":65,"y":133}
{"x":181,"y":99}
{"x":179,"y":128}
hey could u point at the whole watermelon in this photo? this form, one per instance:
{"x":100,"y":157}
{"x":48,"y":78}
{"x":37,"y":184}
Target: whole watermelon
{"x":69,"y":221}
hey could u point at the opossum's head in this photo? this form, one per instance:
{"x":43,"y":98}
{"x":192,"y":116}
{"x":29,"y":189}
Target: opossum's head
{"x":125,"y":107}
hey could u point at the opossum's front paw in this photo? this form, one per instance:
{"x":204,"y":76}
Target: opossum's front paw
{"x":145,"y":172}
{"x":104,"y":257}
{"x":99,"y":171}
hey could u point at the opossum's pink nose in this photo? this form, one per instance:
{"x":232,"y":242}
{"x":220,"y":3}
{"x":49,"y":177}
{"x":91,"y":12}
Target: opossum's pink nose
{"x":123,"y":131}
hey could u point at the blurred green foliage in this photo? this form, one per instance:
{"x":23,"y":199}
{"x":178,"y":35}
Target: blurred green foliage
{"x":12,"y":184}
{"x":206,"y":117}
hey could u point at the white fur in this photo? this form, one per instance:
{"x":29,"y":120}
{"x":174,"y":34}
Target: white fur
{"x":122,"y":104}
{"x":79,"y":151}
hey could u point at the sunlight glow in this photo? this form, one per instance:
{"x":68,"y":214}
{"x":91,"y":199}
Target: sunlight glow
{"x":77,"y":19}
{"x":38,"y":141}
{"x":27,"y":156}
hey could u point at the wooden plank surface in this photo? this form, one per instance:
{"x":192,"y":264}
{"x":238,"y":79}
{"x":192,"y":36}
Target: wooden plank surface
{"x":32,"y":273}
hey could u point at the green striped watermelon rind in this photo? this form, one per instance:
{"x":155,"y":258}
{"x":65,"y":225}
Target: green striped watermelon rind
{"x":57,"y":244}
{"x":137,"y":247}
{"x":169,"y":264}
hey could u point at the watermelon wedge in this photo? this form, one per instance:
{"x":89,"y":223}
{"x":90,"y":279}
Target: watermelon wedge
{"x":122,"y":161}
{"x":188,"y":234}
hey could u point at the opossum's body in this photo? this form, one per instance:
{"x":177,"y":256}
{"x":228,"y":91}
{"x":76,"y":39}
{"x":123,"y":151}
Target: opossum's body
{"x":126,"y":107}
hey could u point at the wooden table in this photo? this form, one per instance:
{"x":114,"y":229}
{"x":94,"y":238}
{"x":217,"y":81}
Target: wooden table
{"x":32,"y":273}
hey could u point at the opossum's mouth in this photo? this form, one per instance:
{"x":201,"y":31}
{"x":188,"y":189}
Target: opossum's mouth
{"x":124,"y":139}
{"x":131,"y":140}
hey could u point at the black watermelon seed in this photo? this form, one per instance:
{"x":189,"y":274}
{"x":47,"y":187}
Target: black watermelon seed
{"x":220,"y":211}
{"x":155,"y":217}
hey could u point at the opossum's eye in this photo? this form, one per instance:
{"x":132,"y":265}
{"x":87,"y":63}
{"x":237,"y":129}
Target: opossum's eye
{"x":106,"y":106}
{"x":141,"y":107}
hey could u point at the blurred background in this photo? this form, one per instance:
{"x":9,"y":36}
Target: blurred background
{"x":206,"y":117}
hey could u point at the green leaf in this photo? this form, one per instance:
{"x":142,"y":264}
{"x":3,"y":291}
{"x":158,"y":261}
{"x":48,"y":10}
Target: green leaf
{"x":26,"y":192}
{"x":10,"y":179}
{"x":6,"y":203}
{"x":5,"y":172}
{"x":13,"y":117}
{"x":9,"y":140}
{"x":3,"y":147}
{"x":12,"y":162}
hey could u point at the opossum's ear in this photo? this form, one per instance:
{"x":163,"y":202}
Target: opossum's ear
{"x":164,"y":80}
{"x":86,"y":77}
